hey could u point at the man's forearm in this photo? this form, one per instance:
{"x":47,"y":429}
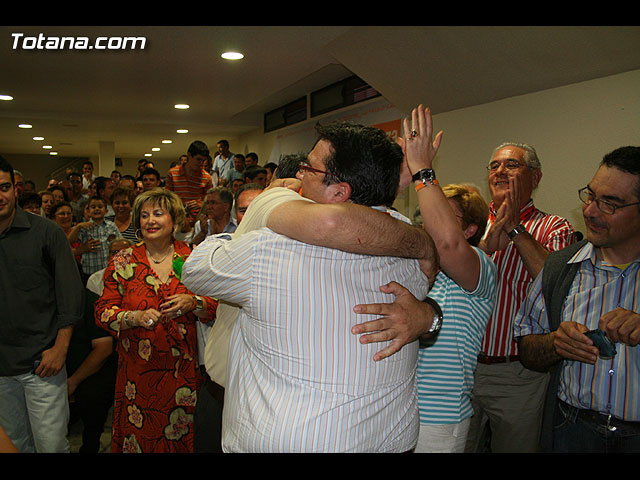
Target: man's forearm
{"x":537,"y":352}
{"x":352,"y":228}
{"x":533,"y":254}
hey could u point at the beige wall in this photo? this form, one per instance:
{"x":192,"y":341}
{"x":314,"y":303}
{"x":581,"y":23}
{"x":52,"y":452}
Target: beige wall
{"x":571,"y":127}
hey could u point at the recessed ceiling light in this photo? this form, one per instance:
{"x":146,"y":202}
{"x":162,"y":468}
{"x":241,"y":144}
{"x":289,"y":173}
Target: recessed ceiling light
{"x":6,"y":97}
{"x":232,"y":56}
{"x":53,"y":153}
{"x":167,"y":141}
{"x":38,"y":138}
{"x":25,"y":125}
{"x":181,"y":106}
{"x":182,"y":130}
{"x":155,"y":149}
{"x":47,"y":146}
{"x":148,"y":155}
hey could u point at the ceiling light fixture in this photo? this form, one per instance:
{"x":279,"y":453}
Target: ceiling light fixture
{"x":6,"y":97}
{"x":47,"y":146}
{"x":53,"y":153}
{"x":232,"y":56}
{"x":148,"y":155}
{"x":181,"y":106}
{"x":25,"y":125}
{"x":182,"y":130}
{"x":38,"y":139}
{"x":155,"y":149}
{"x":167,"y":141}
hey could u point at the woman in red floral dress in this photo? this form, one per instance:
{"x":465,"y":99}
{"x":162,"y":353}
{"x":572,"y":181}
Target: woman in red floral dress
{"x":154,"y":317}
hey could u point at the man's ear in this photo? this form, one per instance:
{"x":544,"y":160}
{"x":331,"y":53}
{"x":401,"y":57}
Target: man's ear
{"x":535,"y":178}
{"x":339,"y":192}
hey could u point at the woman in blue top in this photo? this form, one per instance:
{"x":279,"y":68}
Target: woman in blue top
{"x":454,"y":216}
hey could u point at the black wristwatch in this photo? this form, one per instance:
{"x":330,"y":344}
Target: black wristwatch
{"x":516,"y":231}
{"x":426,"y":175}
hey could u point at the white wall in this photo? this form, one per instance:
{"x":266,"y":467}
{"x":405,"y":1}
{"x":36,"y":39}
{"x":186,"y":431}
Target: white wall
{"x":571,"y":127}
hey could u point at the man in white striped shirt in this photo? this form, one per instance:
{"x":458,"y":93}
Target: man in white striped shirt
{"x":298,"y":379}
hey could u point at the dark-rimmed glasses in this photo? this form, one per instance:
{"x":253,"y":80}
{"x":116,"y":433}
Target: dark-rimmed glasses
{"x":305,"y":167}
{"x":587,"y":197}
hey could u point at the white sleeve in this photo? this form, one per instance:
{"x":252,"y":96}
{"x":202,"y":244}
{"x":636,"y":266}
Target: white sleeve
{"x":221,"y":268}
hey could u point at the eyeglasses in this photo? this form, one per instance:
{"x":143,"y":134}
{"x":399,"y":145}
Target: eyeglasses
{"x":508,"y":165}
{"x":587,"y":197}
{"x":305,"y":167}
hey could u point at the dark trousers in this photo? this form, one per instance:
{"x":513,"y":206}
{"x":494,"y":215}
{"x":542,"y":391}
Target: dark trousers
{"x":579,"y":432}
{"x":207,"y":420}
{"x":93,"y":399}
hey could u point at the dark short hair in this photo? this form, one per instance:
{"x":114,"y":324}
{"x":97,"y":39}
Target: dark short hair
{"x":626,"y":159}
{"x":97,"y":197}
{"x":253,"y":155}
{"x":101,"y":183}
{"x":32,"y":198}
{"x":365,"y":158}
{"x":224,"y":142}
{"x":73,"y":174}
{"x":128,"y":177}
{"x":288,"y":166}
{"x":271,"y":166}
{"x":5,"y":166}
{"x":198,"y":148}
{"x":150,"y":171}
{"x":253,"y":171}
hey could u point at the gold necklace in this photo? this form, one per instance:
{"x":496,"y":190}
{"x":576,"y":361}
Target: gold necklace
{"x":163,"y":258}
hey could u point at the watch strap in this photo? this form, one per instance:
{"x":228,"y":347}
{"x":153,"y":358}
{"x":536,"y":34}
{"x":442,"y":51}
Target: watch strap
{"x":437,"y":319}
{"x":516,"y":231}
{"x":425,"y":176}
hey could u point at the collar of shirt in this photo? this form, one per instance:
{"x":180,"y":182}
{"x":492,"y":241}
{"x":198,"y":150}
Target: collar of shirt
{"x":20,"y":221}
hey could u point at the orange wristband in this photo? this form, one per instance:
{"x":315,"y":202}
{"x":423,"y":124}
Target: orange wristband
{"x":421,"y":185}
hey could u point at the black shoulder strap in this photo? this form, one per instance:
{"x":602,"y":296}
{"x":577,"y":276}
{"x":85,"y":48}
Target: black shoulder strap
{"x":557,"y":277}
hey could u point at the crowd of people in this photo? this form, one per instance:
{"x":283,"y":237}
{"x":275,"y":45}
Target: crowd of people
{"x":320,"y":319}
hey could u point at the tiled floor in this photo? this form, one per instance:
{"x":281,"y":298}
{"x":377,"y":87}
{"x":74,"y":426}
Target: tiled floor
{"x":75,"y":436}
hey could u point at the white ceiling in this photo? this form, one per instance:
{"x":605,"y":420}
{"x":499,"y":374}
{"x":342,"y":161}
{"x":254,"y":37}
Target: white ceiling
{"x":76,"y":99}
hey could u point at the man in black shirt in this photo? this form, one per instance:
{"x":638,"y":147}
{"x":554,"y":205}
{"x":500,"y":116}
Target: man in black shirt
{"x":41,"y":299}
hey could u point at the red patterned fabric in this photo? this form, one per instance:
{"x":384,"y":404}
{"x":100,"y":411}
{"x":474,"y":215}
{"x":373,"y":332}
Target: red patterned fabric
{"x":158,"y":375}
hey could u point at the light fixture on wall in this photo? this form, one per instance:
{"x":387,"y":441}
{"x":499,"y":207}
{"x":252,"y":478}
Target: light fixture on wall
{"x":181,"y":106}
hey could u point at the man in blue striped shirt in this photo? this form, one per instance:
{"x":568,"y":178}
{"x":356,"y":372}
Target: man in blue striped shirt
{"x":598,"y":397}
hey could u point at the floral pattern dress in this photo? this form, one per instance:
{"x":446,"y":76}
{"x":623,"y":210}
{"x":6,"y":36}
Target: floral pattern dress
{"x":158,"y":374}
